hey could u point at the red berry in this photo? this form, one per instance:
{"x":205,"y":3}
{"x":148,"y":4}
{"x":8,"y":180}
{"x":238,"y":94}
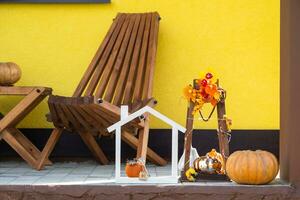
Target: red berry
{"x":208,"y":75}
{"x":204,"y":82}
{"x":204,"y":94}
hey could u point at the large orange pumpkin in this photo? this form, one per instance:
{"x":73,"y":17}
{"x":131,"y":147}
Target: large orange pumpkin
{"x":10,"y":73}
{"x":252,"y":167}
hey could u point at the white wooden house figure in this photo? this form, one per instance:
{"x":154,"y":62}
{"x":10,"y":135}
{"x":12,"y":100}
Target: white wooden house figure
{"x":125,"y":118}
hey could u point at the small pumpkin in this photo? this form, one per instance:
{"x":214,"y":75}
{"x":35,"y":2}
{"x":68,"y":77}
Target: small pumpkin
{"x":252,"y":167}
{"x":133,"y":168}
{"x":207,"y":165}
{"x":10,"y":73}
{"x":211,"y":163}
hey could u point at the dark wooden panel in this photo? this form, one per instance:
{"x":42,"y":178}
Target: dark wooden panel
{"x":289,"y":95}
{"x":70,"y":145}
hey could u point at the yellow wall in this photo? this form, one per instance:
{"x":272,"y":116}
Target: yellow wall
{"x":239,"y":39}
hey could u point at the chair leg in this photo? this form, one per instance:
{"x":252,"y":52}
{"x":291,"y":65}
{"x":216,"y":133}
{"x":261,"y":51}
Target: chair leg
{"x":143,"y":141}
{"x":28,"y":145}
{"x":55,"y":135}
{"x":18,"y":146}
{"x":94,"y":147}
{"x":151,"y":155}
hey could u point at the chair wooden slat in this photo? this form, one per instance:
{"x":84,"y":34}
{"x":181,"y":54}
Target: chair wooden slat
{"x":54,"y":118}
{"x":142,"y":61}
{"x":110,"y":116}
{"x":88,"y":118}
{"x":79,"y":118}
{"x":104,"y":58}
{"x":91,"y":112}
{"x":71,"y":118}
{"x":114,"y":117}
{"x":105,"y":118}
{"x":62,"y":116}
{"x":128,"y":93}
{"x":151,"y":55}
{"x":125,"y":68}
{"x":91,"y":68}
{"x":110,"y":90}
{"x":109,"y":120}
{"x":74,"y":108}
{"x":112,"y":60}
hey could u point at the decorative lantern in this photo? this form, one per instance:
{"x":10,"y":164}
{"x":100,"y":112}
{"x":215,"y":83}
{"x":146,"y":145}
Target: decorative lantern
{"x":206,"y":90}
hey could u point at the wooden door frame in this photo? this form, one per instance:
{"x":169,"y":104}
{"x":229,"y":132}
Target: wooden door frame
{"x":290,"y":92}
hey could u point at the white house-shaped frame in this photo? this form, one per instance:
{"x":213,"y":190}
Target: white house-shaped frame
{"x":125,"y":118}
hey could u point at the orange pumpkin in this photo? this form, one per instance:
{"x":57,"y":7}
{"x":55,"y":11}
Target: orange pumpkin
{"x":252,"y":167}
{"x":133,"y":169}
{"x":10,"y":73}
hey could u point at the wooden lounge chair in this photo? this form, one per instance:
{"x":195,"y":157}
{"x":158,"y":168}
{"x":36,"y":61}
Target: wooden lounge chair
{"x":121,"y":72}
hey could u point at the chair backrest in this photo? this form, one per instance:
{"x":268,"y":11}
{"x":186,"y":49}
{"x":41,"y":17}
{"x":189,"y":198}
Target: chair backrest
{"x":122,"y":69}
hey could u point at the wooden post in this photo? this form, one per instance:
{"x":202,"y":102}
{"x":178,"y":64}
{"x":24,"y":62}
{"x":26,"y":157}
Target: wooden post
{"x":289,"y":93}
{"x":222,"y":128}
{"x":188,"y":135}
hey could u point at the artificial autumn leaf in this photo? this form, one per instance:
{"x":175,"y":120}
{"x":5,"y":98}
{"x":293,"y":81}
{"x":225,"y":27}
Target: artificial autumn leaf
{"x":217,"y":96}
{"x":188,"y":92}
{"x":213,"y":102}
{"x":191,"y":174}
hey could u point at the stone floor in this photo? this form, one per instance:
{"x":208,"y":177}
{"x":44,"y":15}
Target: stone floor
{"x":65,"y":173}
{"x":75,"y":173}
{"x":90,"y":181}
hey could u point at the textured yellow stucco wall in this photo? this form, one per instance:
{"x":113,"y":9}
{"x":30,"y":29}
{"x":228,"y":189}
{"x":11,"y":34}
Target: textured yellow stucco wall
{"x":239,"y":39}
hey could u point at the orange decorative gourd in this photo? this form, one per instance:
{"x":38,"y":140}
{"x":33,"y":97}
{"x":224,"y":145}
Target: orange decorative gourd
{"x":252,"y":167}
{"x":133,"y":168}
{"x":10,"y":73}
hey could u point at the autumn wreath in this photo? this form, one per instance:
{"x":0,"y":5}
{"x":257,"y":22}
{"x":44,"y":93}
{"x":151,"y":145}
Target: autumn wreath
{"x":205,"y":90}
